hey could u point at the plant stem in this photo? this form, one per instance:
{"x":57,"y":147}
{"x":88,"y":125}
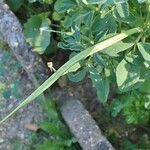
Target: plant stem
{"x":54,"y":31}
{"x":147,"y":22}
{"x":137,"y":40}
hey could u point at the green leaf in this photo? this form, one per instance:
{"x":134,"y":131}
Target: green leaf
{"x":116,"y":107}
{"x":134,"y":110}
{"x":77,"y":76}
{"x":50,"y":109}
{"x":63,"y":5}
{"x":47,"y":1}
{"x":74,"y":68}
{"x":117,"y":48}
{"x":144,"y":49}
{"x":32,"y":1}
{"x":94,"y":1}
{"x":141,"y":1}
{"x":72,"y":42}
{"x":58,"y":144}
{"x":15,"y":4}
{"x":88,"y":18}
{"x":17,"y":145}
{"x":102,"y":25}
{"x":122,"y":9}
{"x":76,"y":19}
{"x":36,"y":32}
{"x":53,"y":129}
{"x":99,"y":60}
{"x":128,"y":74}
{"x":120,"y":1}
{"x":145,"y":87}
{"x":67,"y":22}
{"x":128,"y":145}
{"x":51,"y":145}
{"x":100,"y":83}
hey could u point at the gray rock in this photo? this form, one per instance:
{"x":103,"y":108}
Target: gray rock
{"x":82,"y":125}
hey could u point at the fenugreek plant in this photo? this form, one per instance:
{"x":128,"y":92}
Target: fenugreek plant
{"x":106,"y":39}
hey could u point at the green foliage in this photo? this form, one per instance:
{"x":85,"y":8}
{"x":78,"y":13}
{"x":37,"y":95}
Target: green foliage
{"x":63,"y":5}
{"x":89,"y":31}
{"x":88,"y":27}
{"x":142,"y":145}
{"x":128,"y":73}
{"x":41,"y":1}
{"x":46,"y":1}
{"x":144,"y":49}
{"x":84,"y":24}
{"x":145,"y":86}
{"x":36,"y":32}
{"x":78,"y":76}
{"x":2,"y":87}
{"x":135,"y":112}
{"x":100,"y":83}
{"x":135,"y":108}
{"x":117,"y":48}
{"x":53,"y":125}
{"x":142,"y":1}
{"x":127,"y":145}
{"x":17,"y":145}
{"x":116,"y":107}
{"x":15,"y":4}
{"x":2,"y":45}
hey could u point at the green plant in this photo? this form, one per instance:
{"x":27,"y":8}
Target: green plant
{"x":94,"y":21}
{"x":135,"y":107}
{"x":135,"y":111}
{"x":128,"y":145}
{"x":85,"y":23}
{"x":37,"y":38}
{"x":107,"y":40}
{"x":93,"y":24}
{"x":59,"y":136}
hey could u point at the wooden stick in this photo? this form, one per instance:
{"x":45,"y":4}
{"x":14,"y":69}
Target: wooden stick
{"x":82,"y":125}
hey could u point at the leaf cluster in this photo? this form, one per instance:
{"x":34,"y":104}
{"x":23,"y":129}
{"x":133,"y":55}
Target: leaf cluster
{"x":59,"y":134}
{"x":135,"y":108}
{"x":125,"y":63}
